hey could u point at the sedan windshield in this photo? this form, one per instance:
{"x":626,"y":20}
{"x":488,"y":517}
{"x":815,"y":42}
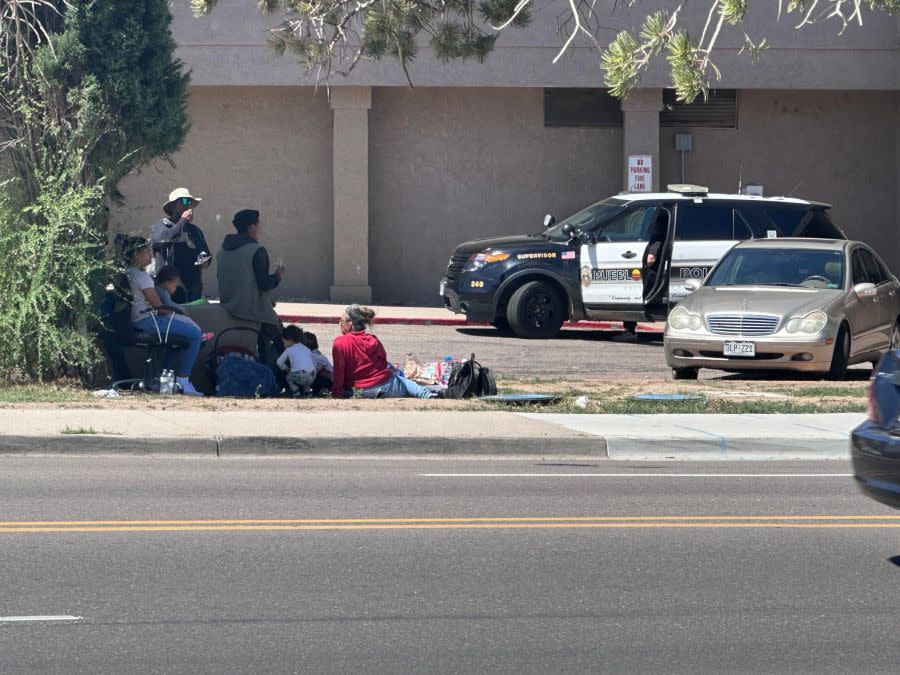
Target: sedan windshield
{"x":808,"y":268}
{"x":586,"y":218}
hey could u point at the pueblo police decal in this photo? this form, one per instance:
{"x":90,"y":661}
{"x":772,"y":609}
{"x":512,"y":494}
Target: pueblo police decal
{"x":585,"y":276}
{"x":613,"y":275}
{"x":692,"y":272}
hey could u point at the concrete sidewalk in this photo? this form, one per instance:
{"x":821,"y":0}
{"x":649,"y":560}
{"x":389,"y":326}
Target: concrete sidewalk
{"x":746,"y":436}
{"x":310,"y":313}
{"x":430,"y":433}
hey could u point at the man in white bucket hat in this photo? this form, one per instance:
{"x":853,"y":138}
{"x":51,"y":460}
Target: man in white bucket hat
{"x":178,"y":243}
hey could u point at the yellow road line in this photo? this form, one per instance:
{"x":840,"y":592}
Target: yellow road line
{"x":457,"y":526}
{"x":353,"y":521}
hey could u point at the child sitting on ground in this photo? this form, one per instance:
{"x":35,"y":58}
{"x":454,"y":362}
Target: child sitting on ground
{"x":298,"y":359}
{"x":324,"y":370}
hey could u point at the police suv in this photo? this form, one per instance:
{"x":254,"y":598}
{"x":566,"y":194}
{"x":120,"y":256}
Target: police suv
{"x":589,"y":265}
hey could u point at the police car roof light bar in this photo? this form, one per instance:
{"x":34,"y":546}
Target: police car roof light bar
{"x":687,"y":189}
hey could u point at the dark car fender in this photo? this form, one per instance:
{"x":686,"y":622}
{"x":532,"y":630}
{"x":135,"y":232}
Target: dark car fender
{"x":517,"y":278}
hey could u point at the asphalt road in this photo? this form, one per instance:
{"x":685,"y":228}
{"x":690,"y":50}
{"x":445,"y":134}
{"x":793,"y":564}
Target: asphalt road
{"x":602,"y":573}
{"x":576,"y":353}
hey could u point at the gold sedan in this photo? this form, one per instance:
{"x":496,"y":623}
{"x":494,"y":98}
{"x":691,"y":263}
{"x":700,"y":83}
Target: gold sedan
{"x":812,"y":305}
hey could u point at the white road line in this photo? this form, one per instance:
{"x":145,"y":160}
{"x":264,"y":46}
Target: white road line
{"x":636,"y":475}
{"x":49,"y":617}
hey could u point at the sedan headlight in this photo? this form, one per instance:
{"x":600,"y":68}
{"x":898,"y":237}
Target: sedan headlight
{"x":479,"y":260}
{"x":681,"y":319}
{"x":811,"y":323}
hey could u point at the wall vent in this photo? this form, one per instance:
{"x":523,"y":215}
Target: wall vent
{"x":718,"y":111}
{"x":569,"y":107}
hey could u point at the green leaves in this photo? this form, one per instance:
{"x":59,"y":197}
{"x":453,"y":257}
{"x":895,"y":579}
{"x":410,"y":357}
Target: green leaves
{"x":620,"y":65}
{"x":203,"y":7}
{"x":329,"y":36}
{"x":733,"y":11}
{"x":655,"y":32}
{"x":497,"y":12}
{"x":52,"y":251}
{"x":90,"y":99}
{"x":687,"y":68}
{"x":333,"y":35}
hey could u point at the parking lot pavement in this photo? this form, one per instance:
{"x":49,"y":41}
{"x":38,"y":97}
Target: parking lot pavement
{"x":581,"y":353}
{"x":585,"y":353}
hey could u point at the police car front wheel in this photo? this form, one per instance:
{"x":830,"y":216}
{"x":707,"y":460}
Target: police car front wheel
{"x":536,"y":310}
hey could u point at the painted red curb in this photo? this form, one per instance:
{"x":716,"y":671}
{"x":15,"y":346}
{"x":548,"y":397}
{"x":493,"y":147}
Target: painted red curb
{"x":409,"y":321}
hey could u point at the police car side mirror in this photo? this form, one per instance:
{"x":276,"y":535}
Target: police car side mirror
{"x":549,"y":220}
{"x":691,"y":285}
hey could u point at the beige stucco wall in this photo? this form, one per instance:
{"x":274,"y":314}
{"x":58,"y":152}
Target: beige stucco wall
{"x":842,"y":148}
{"x":451,"y":164}
{"x":267,"y":148}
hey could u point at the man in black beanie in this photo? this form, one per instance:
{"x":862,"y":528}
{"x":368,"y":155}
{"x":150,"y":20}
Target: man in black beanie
{"x":246,"y":285}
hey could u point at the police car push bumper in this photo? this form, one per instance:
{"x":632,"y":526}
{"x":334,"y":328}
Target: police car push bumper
{"x":474,"y":309}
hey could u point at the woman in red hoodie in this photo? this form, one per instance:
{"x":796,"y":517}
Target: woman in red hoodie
{"x":360,"y":362}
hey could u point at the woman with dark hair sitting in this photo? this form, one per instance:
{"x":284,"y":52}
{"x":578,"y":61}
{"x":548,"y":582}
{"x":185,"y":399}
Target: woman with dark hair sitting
{"x":360,"y":362}
{"x":144,"y":297}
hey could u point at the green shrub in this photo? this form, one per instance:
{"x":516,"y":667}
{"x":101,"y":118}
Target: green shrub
{"x":90,"y":90}
{"x":51,"y":253}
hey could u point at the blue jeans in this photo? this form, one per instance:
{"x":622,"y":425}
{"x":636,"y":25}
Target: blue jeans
{"x":396,"y":387}
{"x":183,"y":328}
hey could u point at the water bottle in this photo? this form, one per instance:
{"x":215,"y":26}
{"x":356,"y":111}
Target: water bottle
{"x":166,"y":382}
{"x":446,"y":366}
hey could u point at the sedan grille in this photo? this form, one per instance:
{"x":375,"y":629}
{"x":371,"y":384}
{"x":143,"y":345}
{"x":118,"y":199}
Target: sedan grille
{"x":743,"y":325}
{"x":457,"y":262}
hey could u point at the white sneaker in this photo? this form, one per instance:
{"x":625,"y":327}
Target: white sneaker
{"x":186,"y":387}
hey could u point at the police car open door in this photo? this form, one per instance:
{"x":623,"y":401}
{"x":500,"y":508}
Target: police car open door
{"x":656,"y":272}
{"x":611,"y":260}
{"x":704,"y":232}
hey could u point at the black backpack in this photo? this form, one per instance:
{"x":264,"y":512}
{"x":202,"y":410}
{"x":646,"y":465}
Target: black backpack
{"x":471,"y":379}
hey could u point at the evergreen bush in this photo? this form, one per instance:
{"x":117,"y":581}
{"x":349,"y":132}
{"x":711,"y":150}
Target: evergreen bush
{"x":89,"y":91}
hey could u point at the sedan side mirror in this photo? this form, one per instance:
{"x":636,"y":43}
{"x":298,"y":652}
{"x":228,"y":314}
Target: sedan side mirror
{"x":691,"y":285}
{"x":549,"y":220}
{"x":865,"y":290}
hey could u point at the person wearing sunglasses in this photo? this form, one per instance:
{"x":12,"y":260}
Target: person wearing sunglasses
{"x":178,"y":243}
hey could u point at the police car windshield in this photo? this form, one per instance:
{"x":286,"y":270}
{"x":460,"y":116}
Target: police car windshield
{"x":807,"y":268}
{"x":585,"y":218}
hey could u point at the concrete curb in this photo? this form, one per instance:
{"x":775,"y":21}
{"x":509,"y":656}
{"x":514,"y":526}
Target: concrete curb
{"x":106,"y":444}
{"x":751,"y":449}
{"x":410,"y":445}
{"x":410,"y":321}
{"x":620,"y":448}
{"x":429,"y":434}
{"x":274,"y":446}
